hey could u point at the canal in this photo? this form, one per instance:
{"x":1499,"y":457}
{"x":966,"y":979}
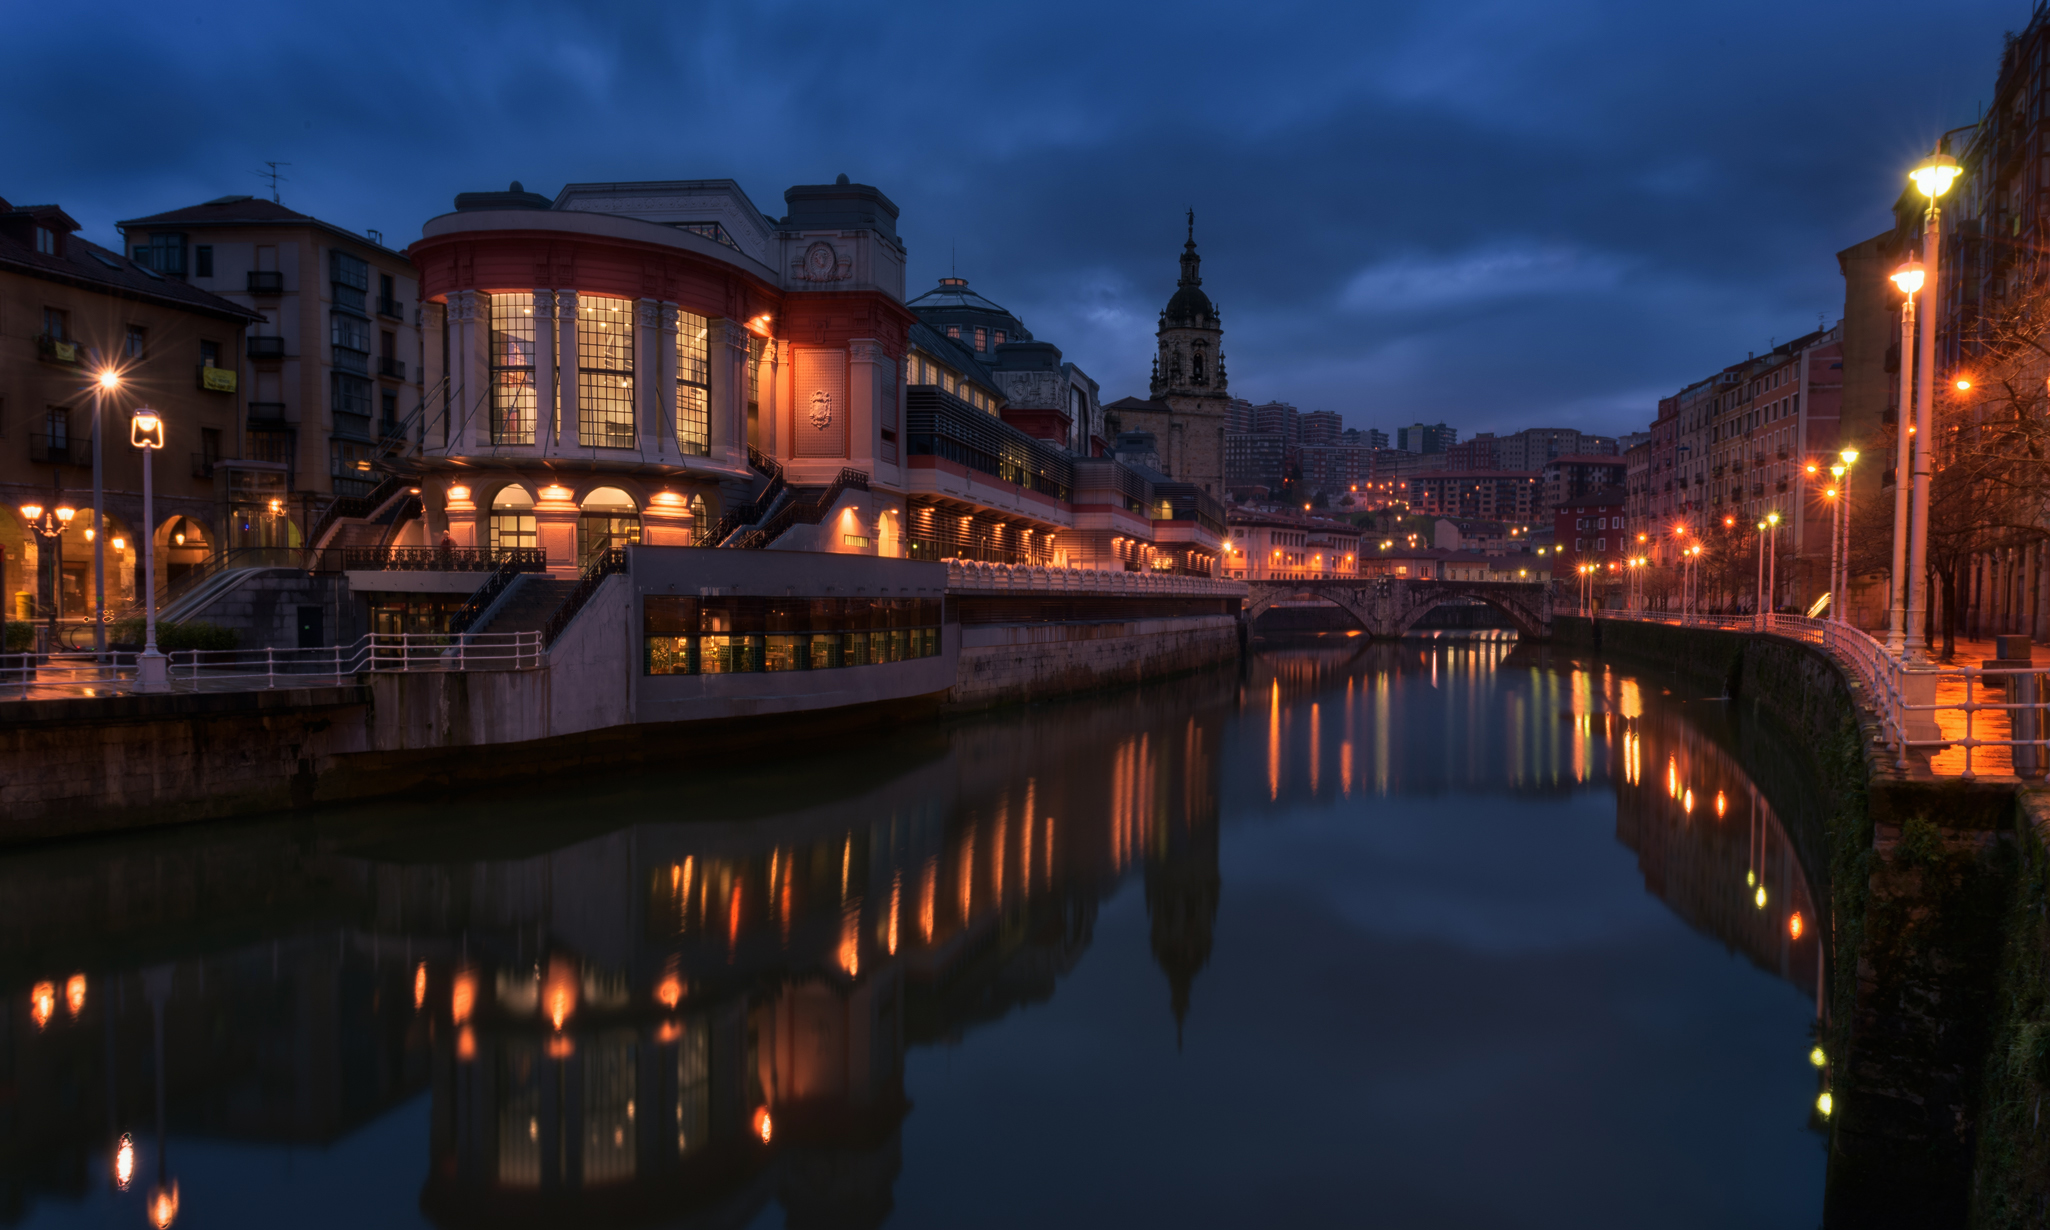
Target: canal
{"x":1430,"y":933}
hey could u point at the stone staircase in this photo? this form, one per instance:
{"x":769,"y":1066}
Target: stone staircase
{"x":529,"y":604}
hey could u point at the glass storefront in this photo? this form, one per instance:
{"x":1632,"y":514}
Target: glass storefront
{"x":737,"y":635}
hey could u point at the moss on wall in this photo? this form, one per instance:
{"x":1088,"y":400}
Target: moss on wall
{"x":1939,"y":1030}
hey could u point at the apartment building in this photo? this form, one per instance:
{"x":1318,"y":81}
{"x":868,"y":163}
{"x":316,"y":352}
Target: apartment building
{"x":70,"y":311}
{"x":333,"y":363}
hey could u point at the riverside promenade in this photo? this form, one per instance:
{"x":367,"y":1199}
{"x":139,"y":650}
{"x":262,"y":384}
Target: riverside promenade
{"x":680,"y":652}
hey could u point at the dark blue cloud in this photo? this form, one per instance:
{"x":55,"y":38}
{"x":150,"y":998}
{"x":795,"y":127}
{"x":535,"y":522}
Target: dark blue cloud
{"x":1496,"y":214}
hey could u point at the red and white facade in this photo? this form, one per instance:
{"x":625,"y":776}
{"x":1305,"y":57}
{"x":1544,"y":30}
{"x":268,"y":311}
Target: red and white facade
{"x":611,"y":355}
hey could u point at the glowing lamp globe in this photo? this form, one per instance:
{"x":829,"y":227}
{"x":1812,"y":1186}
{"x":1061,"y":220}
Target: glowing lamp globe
{"x":1935,"y":175}
{"x":1908,"y":276}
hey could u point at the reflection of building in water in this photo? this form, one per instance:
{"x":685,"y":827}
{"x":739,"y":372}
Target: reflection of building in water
{"x":1370,"y":718}
{"x":1710,"y":845}
{"x":674,"y":1022}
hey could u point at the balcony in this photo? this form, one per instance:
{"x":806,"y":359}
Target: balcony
{"x":216,"y":379}
{"x":48,"y":450}
{"x":266,"y":282}
{"x":261,"y":348}
{"x":390,"y":368}
{"x":391,"y":307}
{"x":266,"y":412}
{"x":202,"y":465}
{"x":58,"y":350}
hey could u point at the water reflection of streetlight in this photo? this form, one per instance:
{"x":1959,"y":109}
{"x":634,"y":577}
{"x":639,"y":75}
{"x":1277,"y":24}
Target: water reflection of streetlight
{"x":42,"y":1002}
{"x":124,"y":1162}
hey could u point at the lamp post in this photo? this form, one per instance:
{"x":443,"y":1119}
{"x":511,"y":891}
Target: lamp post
{"x":146,"y":432}
{"x":1772,"y":564}
{"x":1836,"y":510}
{"x":49,"y":524}
{"x":1933,"y":177}
{"x":108,"y":381}
{"x":1909,"y":278}
{"x":1839,"y":610}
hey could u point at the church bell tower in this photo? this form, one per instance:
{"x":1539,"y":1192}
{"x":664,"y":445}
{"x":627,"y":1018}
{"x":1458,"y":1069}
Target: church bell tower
{"x":1187,"y":403}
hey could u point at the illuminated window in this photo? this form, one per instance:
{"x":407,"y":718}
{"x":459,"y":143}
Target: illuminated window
{"x":512,"y":520}
{"x":693,"y":386}
{"x":512,"y":369}
{"x":605,"y":372}
{"x":981,"y":339}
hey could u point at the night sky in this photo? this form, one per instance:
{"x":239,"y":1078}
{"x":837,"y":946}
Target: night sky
{"x":1500,"y":215}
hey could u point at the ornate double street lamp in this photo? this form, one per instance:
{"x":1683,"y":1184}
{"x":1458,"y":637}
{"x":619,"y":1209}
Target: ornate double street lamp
{"x":1934,"y":178}
{"x":49,"y":523}
{"x":146,"y":432}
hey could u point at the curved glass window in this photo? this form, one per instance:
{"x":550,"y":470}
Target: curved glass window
{"x":512,"y":368}
{"x":605,"y":372}
{"x":693,"y":387}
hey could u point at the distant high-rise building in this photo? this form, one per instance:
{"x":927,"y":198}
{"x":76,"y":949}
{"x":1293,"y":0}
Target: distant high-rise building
{"x":1475,"y":454}
{"x":1239,"y":415}
{"x":1426,"y":438}
{"x":1279,"y":418}
{"x":1322,"y":427}
{"x":1369,"y":438}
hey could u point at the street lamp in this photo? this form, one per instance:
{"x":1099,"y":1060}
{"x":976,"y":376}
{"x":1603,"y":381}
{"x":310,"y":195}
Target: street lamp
{"x":1836,"y":511}
{"x":146,"y":432}
{"x":1772,"y":561}
{"x":1934,"y":178}
{"x":49,"y":524}
{"x":1909,"y":278}
{"x":1837,"y":609}
{"x":108,"y":381}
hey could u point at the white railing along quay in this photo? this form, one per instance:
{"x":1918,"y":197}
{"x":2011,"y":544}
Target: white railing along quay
{"x":22,"y":677}
{"x":972,"y":576}
{"x":1921,"y":706}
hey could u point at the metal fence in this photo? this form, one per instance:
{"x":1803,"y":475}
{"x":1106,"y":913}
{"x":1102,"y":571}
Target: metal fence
{"x":1969,"y":720}
{"x":28,"y":677}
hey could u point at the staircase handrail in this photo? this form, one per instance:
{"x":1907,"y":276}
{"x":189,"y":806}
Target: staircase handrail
{"x":809,"y":512}
{"x":603,"y":564}
{"x":354,"y":506}
{"x":754,"y":510}
{"x":516,"y":561}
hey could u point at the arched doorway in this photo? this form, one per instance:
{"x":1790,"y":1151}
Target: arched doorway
{"x":512,"y":523}
{"x":182,"y":545}
{"x":18,"y":560}
{"x":608,"y":521}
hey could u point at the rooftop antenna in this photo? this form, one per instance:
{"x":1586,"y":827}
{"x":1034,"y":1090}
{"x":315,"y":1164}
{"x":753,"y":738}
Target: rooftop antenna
{"x":275,"y":177}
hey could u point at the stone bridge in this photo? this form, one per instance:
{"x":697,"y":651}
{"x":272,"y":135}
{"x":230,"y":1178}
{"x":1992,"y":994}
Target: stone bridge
{"x":1391,"y":606}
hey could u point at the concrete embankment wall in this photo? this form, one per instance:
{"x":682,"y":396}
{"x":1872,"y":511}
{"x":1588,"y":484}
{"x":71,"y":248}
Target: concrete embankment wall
{"x":1939,"y":1030}
{"x":1005,"y":663}
{"x":97,"y":764}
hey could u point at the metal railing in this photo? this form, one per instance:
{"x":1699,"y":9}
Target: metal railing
{"x":603,"y":565}
{"x":965,"y":576}
{"x":49,"y":450}
{"x":808,"y":512}
{"x":25,"y":677}
{"x":754,"y":510}
{"x":1966,"y":718}
{"x":442,"y":559}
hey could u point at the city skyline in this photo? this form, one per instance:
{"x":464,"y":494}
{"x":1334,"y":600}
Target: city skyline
{"x":1342,"y":287}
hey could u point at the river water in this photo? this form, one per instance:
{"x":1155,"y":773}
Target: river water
{"x":1426,"y":934}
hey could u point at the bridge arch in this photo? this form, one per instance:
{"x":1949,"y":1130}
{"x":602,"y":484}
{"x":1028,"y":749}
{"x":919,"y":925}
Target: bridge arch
{"x":1350,"y":598}
{"x":1425,"y":598}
